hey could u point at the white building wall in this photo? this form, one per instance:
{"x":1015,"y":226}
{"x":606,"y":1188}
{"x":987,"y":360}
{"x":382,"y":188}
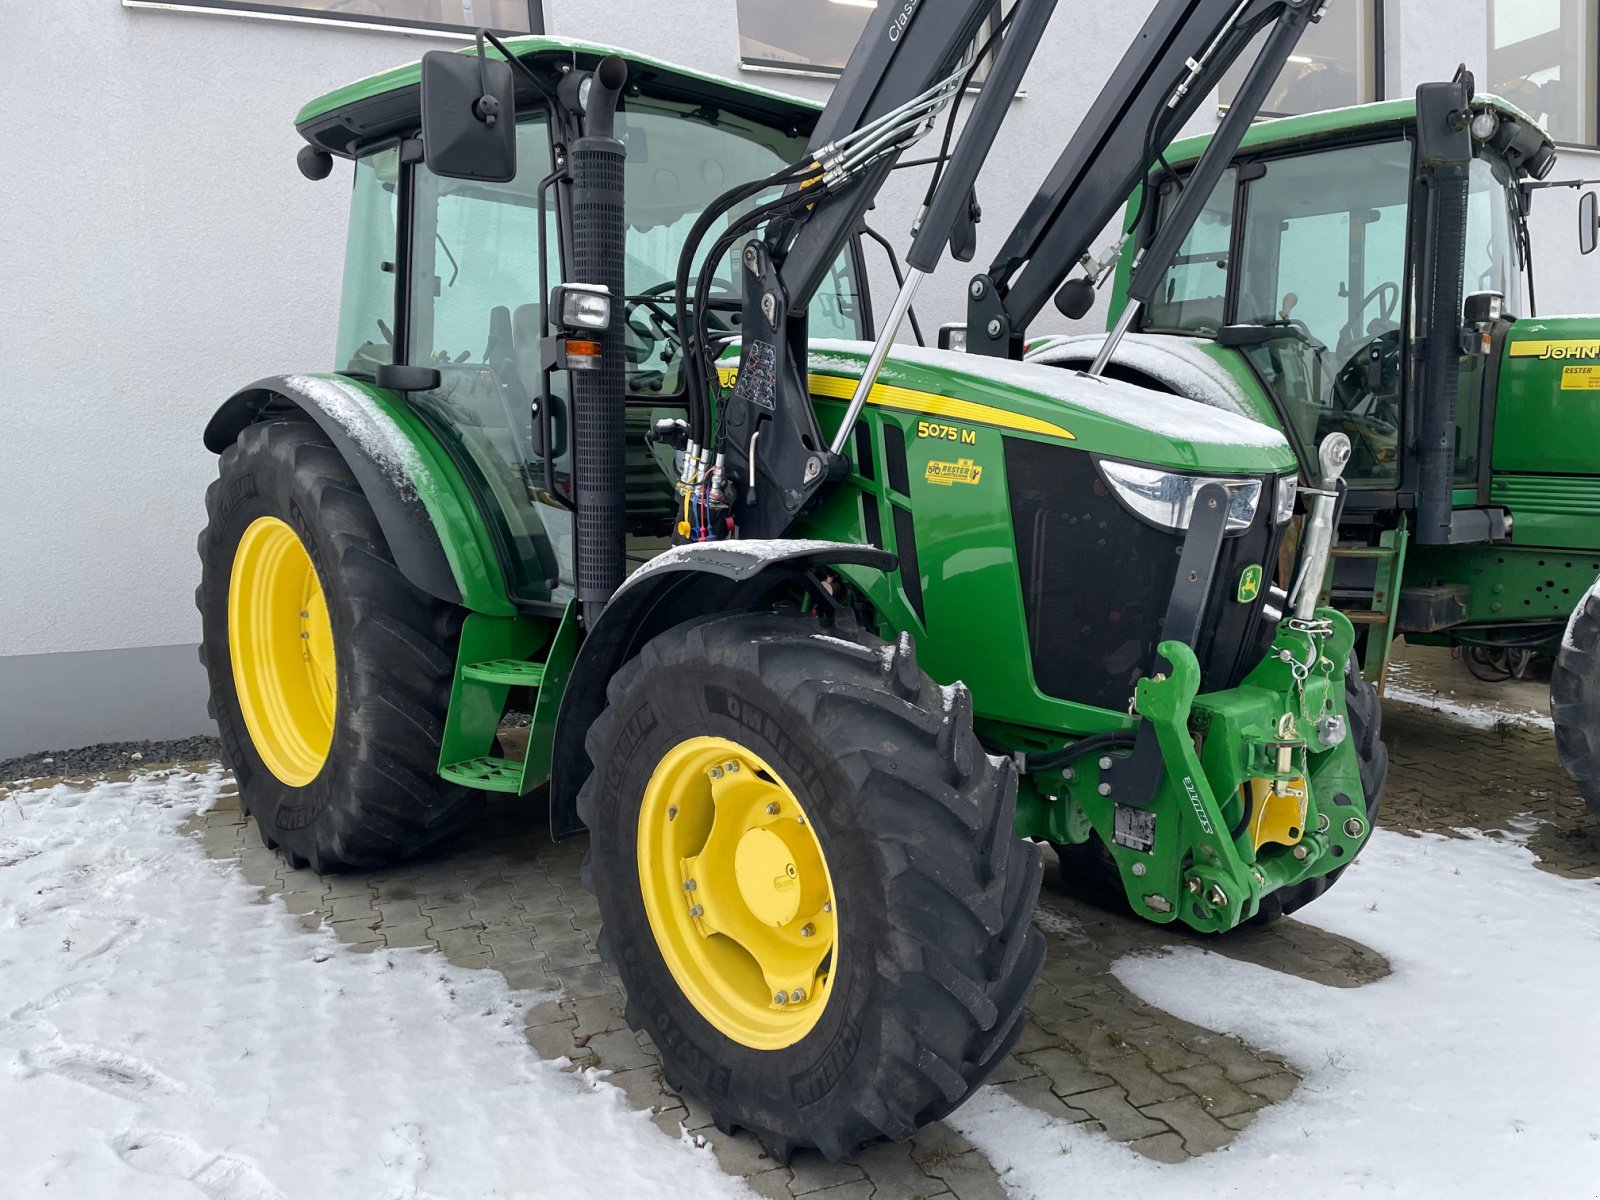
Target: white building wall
{"x":159,"y":249}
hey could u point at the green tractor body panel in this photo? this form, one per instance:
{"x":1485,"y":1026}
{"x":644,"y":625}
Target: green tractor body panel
{"x":1547,"y":432}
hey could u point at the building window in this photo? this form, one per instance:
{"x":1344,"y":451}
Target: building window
{"x":447,"y":16}
{"x":1542,"y":59}
{"x":1335,"y":64}
{"x":809,"y":37}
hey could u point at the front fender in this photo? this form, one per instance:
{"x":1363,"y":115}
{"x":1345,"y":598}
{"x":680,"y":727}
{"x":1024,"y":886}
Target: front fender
{"x":678,"y":585}
{"x":421,"y":500}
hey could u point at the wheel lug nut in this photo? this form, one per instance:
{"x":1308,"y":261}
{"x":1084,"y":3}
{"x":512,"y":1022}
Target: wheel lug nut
{"x":781,"y":998}
{"x":828,"y":907}
{"x":797,"y":995}
{"x":732,"y":768}
{"x":716,"y":772}
{"x":689,"y":885}
{"x":807,"y":929}
{"x":772,"y":809}
{"x":699,"y":910}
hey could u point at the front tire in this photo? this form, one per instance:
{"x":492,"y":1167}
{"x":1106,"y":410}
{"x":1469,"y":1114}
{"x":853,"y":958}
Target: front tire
{"x":914,"y":876}
{"x":1575,"y":698}
{"x":330,"y":673}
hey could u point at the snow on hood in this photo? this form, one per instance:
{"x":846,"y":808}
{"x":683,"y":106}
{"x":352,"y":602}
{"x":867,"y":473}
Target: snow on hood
{"x":1170,"y":416}
{"x":1176,"y":362}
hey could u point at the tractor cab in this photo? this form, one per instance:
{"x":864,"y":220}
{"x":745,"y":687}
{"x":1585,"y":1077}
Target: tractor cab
{"x":1311,"y":261}
{"x":446,"y":281}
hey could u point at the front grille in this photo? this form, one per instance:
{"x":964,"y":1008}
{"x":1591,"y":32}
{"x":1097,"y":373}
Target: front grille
{"x":1096,"y":581}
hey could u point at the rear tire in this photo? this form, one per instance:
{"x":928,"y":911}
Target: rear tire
{"x":1088,"y":869}
{"x":373,"y":796}
{"x":1575,"y":699}
{"x":935,"y":952}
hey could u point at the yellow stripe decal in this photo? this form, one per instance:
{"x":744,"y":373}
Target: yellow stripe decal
{"x":1557,"y":348}
{"x":887,"y":395}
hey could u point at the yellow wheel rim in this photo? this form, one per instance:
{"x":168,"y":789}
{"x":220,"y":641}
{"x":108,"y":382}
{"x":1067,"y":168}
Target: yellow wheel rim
{"x":737,"y":891}
{"x":281,"y":643}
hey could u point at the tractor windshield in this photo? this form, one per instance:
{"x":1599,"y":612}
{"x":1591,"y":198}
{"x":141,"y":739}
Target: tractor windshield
{"x":1310,"y":251}
{"x":681,"y":157}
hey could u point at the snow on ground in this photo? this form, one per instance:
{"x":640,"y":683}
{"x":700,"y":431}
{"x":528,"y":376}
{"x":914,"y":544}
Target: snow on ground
{"x":1476,"y":711}
{"x":1469,"y":1072}
{"x":159,"y":1023}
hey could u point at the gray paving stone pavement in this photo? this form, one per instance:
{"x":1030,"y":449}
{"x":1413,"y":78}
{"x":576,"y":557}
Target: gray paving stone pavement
{"x":506,"y":898}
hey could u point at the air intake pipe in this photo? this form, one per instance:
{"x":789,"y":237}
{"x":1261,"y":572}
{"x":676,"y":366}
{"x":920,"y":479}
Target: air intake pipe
{"x":1444,"y":150}
{"x":595,"y":163}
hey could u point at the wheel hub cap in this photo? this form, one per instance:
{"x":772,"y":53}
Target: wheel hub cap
{"x":737,"y":892}
{"x":280,"y":640}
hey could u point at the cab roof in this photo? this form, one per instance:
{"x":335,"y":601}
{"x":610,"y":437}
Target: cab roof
{"x":380,"y":107}
{"x":1288,"y":131}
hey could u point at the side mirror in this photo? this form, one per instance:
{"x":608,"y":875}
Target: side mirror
{"x":469,"y":117}
{"x":1588,"y":222}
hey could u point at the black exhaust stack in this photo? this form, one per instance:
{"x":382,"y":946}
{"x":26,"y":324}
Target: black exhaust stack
{"x":1444,"y":142}
{"x":595,"y":163}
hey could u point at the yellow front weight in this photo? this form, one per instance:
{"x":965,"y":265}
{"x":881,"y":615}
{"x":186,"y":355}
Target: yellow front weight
{"x":737,"y":891}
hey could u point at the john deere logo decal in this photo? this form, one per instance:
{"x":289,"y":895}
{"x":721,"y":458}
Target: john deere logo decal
{"x":1250,"y":584}
{"x":963,"y":470}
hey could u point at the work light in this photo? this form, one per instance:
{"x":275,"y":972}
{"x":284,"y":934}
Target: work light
{"x":581,"y":305}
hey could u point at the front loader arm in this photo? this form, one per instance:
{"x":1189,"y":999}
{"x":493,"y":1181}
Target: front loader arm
{"x":907,"y":67}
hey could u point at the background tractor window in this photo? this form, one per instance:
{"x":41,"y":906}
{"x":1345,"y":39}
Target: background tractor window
{"x":1323,"y":263}
{"x":1194,"y":291}
{"x":1335,"y":64}
{"x":1542,"y":56}
{"x":503,"y":16}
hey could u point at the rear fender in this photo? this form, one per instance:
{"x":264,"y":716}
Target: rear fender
{"x":682,"y":584}
{"x":422,"y":502}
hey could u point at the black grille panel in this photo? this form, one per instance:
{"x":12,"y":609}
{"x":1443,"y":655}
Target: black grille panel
{"x":1096,"y":581}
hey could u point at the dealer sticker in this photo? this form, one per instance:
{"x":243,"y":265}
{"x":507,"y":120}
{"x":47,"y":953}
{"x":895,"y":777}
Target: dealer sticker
{"x":963,"y":470}
{"x":1580,"y":379}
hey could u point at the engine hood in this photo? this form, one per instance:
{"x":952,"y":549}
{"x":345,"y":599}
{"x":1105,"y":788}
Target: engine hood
{"x":1102,"y":415}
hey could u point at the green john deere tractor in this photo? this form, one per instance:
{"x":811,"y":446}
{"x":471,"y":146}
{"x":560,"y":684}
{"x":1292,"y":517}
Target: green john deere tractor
{"x":1329,"y":287}
{"x":818,"y":636}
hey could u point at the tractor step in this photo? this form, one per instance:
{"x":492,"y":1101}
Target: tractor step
{"x":486,"y":774}
{"x":511,"y":672}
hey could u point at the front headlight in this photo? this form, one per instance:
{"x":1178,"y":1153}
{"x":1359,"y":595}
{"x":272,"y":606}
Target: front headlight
{"x":1283,"y":506}
{"x":1167,"y":498}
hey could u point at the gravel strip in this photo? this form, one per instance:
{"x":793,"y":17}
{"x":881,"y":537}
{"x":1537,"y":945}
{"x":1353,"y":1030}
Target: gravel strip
{"x":109,"y":756}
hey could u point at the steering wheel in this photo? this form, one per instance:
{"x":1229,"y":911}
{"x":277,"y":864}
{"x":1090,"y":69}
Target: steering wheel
{"x":1388,"y":295}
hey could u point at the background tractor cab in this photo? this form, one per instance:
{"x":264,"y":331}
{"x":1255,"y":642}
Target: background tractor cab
{"x":1369,"y":271}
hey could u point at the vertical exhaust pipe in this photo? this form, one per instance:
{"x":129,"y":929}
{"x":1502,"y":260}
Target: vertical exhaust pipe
{"x":595,"y":162}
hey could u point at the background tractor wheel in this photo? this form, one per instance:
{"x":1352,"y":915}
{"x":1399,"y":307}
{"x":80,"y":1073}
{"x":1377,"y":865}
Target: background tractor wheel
{"x":1088,"y":869}
{"x":808,"y":879}
{"x":1575,"y":698}
{"x":330,"y":674}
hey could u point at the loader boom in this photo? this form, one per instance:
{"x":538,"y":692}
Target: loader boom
{"x":908,"y":67}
